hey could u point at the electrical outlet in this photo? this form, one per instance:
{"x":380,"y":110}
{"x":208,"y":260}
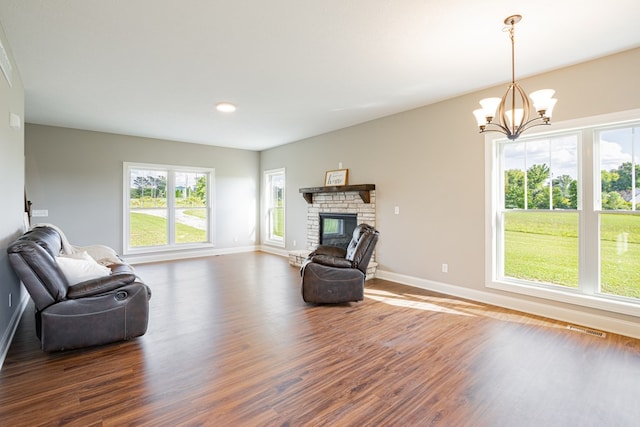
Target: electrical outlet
{"x":294,"y":243}
{"x":396,"y":210}
{"x":445,"y":268}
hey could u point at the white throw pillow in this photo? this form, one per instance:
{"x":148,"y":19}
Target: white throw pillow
{"x":80,"y":266}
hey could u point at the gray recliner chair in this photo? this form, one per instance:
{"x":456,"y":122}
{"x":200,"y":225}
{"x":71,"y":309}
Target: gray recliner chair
{"x":97,"y":311}
{"x":334,"y":275}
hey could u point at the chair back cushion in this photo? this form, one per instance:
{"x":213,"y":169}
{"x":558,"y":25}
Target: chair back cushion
{"x":32,"y":257}
{"x":361,"y":247}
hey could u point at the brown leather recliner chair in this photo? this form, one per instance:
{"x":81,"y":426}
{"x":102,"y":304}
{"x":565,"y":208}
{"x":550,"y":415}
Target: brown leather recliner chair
{"x":334,"y":275}
{"x":96,"y":311}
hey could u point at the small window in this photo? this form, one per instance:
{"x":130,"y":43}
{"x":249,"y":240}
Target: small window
{"x":275,"y":209}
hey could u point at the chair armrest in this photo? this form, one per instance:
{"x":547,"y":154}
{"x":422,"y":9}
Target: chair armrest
{"x":101,"y":285}
{"x":331,"y":261}
{"x":332,"y":251}
{"x":121,"y":268}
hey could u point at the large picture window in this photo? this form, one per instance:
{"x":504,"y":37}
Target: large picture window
{"x":166,"y":207}
{"x":563,"y":215}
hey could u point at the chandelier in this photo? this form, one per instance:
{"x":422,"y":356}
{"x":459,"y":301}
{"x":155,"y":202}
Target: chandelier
{"x":510,"y":114}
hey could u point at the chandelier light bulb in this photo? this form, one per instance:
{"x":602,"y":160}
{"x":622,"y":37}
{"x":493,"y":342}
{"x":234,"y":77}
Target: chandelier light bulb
{"x":518,"y":113}
{"x":541,"y":99}
{"x":480,"y":117}
{"x":490,"y":106}
{"x":549,"y":110}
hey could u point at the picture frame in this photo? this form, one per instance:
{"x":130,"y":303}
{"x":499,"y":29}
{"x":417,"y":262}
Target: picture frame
{"x":336,"y":178}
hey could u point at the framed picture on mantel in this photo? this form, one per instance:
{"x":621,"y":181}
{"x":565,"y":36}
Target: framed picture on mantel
{"x":336,"y":177}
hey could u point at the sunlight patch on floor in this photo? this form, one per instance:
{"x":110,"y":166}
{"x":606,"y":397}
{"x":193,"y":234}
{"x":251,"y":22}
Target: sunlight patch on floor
{"x":401,"y":301}
{"x":452,"y":305}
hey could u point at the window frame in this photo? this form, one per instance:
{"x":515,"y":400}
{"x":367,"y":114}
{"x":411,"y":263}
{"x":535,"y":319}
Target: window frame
{"x":589,"y":212}
{"x":171,"y":171}
{"x":268,"y":235}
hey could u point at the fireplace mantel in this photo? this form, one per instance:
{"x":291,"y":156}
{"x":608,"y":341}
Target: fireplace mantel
{"x":362,"y":189}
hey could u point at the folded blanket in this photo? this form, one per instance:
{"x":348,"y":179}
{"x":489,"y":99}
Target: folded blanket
{"x":103,"y":255}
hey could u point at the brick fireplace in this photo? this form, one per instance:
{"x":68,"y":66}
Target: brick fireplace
{"x":350,"y":199}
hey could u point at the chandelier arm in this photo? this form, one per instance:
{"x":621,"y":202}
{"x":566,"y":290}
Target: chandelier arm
{"x":526,"y":106}
{"x":530,"y":124}
{"x":503,"y":129}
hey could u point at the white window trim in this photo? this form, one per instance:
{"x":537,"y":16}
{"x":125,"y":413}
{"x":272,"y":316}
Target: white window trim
{"x":127,"y":250}
{"x":267,"y":237}
{"x":493,"y":197}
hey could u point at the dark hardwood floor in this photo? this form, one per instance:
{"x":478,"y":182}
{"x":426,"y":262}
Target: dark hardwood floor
{"x":231,"y":343}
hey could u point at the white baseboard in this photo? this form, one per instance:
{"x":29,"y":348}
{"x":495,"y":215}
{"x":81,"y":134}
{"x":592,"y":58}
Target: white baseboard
{"x":5,"y":343}
{"x":274,"y":251}
{"x":170,"y":256}
{"x":564,"y":314}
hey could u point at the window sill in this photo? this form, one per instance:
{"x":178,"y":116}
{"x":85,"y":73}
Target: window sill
{"x":277,"y":243}
{"x":161,"y":249}
{"x":600,"y":302}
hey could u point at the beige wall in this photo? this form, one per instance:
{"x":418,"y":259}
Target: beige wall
{"x":77,"y":176}
{"x":12,"y":206}
{"x":430,"y":163}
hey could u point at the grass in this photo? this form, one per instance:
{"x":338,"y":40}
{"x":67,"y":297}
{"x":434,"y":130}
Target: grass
{"x":620,"y":253}
{"x":278,"y":221}
{"x":147,"y":202}
{"x":541,"y":258}
{"x":159,"y":202}
{"x":200,"y":213}
{"x":543,"y":247}
{"x":150,"y":230}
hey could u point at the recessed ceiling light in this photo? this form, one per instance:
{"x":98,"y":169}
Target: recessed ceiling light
{"x":225,"y":107}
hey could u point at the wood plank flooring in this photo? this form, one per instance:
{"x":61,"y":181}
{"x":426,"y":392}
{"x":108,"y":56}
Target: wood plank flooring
{"x":231,"y":343}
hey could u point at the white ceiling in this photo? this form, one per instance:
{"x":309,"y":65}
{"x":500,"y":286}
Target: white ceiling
{"x":295,"y":68}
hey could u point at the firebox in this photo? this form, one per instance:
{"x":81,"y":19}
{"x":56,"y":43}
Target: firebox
{"x":336,"y":229}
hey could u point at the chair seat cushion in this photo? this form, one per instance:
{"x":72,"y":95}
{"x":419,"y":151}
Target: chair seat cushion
{"x":331,"y":261}
{"x":323,"y":284}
